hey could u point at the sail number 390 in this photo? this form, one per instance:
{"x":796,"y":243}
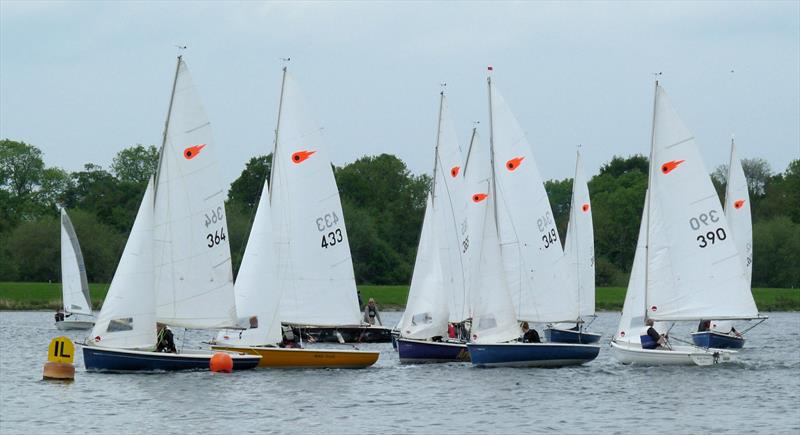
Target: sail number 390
{"x":713,"y":235}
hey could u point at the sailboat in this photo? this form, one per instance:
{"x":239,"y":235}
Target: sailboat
{"x":516,"y":240}
{"x":258,"y":300}
{"x":720,"y":334}
{"x":437,"y":296}
{"x":579,"y":253}
{"x":686,"y":266}
{"x":175,"y":268}
{"x":74,"y":285}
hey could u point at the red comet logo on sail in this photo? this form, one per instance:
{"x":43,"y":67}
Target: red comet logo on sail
{"x":301,"y":156}
{"x":193,"y":151}
{"x":668,"y":167}
{"x":739,"y":203}
{"x":478,"y":197}
{"x":514,"y":163}
{"x":454,"y":171}
{"x":654,"y":308}
{"x":585,"y":207}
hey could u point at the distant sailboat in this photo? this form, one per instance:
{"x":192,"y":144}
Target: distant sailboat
{"x":519,"y":267}
{"x":74,"y":285}
{"x":579,"y":254}
{"x":176,"y":266}
{"x":258,"y":300}
{"x":721,"y":334}
{"x":686,"y":265}
{"x":438,"y":286}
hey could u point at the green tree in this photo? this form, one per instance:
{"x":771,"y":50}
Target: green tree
{"x":776,"y":243}
{"x":21,"y":167}
{"x":560,"y":194}
{"x":246,"y":190}
{"x":135,"y":164}
{"x":35,"y":247}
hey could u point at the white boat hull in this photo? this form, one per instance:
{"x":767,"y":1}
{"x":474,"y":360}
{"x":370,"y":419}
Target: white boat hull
{"x":677,"y":355}
{"x":68,"y":325}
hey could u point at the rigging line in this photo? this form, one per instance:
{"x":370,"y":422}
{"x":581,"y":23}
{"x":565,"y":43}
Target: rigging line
{"x":760,"y":322}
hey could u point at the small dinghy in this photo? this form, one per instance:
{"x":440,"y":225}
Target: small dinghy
{"x":717,"y":340}
{"x":437,"y":297}
{"x":686,"y":266}
{"x":77,"y":305}
{"x":579,"y":254}
{"x":267,"y":274}
{"x":176,"y":265}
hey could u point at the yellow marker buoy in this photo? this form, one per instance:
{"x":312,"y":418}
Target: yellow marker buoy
{"x":60,"y":355}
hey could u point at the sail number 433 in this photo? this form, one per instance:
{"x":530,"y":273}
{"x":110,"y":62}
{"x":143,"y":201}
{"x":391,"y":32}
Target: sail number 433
{"x":328,"y":224}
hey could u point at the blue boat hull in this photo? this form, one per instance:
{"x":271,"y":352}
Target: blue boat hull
{"x":555,"y":335}
{"x":123,"y":360}
{"x":419,"y":352}
{"x":716,"y":340}
{"x":531,"y":354}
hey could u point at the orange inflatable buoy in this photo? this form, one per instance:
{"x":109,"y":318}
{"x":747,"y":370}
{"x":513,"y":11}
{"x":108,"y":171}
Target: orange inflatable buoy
{"x":59,"y":371}
{"x":221,"y":362}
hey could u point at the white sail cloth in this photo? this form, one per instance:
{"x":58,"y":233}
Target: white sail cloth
{"x":74,"y":285}
{"x":193,"y":275}
{"x":694,"y":268}
{"x":737,"y":212}
{"x":493,"y":317}
{"x":128,"y":317}
{"x":531,"y":248}
{"x":314,"y":266}
{"x":632,"y":321}
{"x":579,"y":243}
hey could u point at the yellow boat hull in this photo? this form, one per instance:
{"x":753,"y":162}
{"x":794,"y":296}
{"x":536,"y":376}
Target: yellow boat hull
{"x":284,"y":358}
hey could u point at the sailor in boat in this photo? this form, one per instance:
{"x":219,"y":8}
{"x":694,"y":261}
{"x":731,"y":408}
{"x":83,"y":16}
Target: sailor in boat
{"x":704,"y":326}
{"x":288,"y":338}
{"x":659,"y":341}
{"x":529,"y":335}
{"x":371,"y":314}
{"x":60,"y":315}
{"x":165,"y":339}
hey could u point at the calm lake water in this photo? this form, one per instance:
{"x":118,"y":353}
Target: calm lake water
{"x":761,"y":394}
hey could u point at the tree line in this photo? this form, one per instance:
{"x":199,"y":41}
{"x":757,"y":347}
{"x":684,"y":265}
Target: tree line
{"x":383,"y":205}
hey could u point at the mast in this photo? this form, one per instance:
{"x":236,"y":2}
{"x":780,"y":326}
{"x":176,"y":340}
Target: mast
{"x":728,"y":181}
{"x":469,"y":149}
{"x":166,"y":124}
{"x":277,"y":129}
{"x":436,"y":148}
{"x":491,"y":152}
{"x":649,"y":195}
{"x":574,"y":235}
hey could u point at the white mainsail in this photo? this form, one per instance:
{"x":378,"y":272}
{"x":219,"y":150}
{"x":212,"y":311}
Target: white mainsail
{"x":493,"y":317}
{"x":531,"y":248}
{"x":579,"y":243}
{"x":426,"y":312}
{"x":193,"y":275}
{"x":314,"y":266}
{"x":74,"y":285}
{"x":128,"y":317}
{"x":694,"y":270}
{"x":737,"y":211}
{"x":633,"y":310}
{"x":257,"y":294}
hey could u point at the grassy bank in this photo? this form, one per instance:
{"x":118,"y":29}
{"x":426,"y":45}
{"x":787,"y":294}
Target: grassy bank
{"x":40,"y":296}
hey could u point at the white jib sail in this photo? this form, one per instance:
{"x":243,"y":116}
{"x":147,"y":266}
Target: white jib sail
{"x":256,"y":287}
{"x":193,"y":275}
{"x":694,"y":267}
{"x":74,"y":285}
{"x":315,"y":269}
{"x":633,"y":310}
{"x":737,"y":211}
{"x":579,"y":243}
{"x":493,"y":317}
{"x":128,"y":317}
{"x":426,"y":312}
{"x":531,"y":247}
{"x":449,"y":207}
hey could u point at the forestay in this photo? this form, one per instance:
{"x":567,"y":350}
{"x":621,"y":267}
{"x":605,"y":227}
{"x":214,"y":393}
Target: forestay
{"x":694,"y":268}
{"x":193,"y":276}
{"x":128,"y":317}
{"x":74,"y":285}
{"x":426,"y":312}
{"x":579,"y":244}
{"x":493,"y":317}
{"x":314,"y":267}
{"x":531,"y":248}
{"x":737,"y":212}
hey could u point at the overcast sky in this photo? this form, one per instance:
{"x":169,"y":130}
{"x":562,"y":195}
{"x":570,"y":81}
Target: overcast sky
{"x":83,"y":80}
